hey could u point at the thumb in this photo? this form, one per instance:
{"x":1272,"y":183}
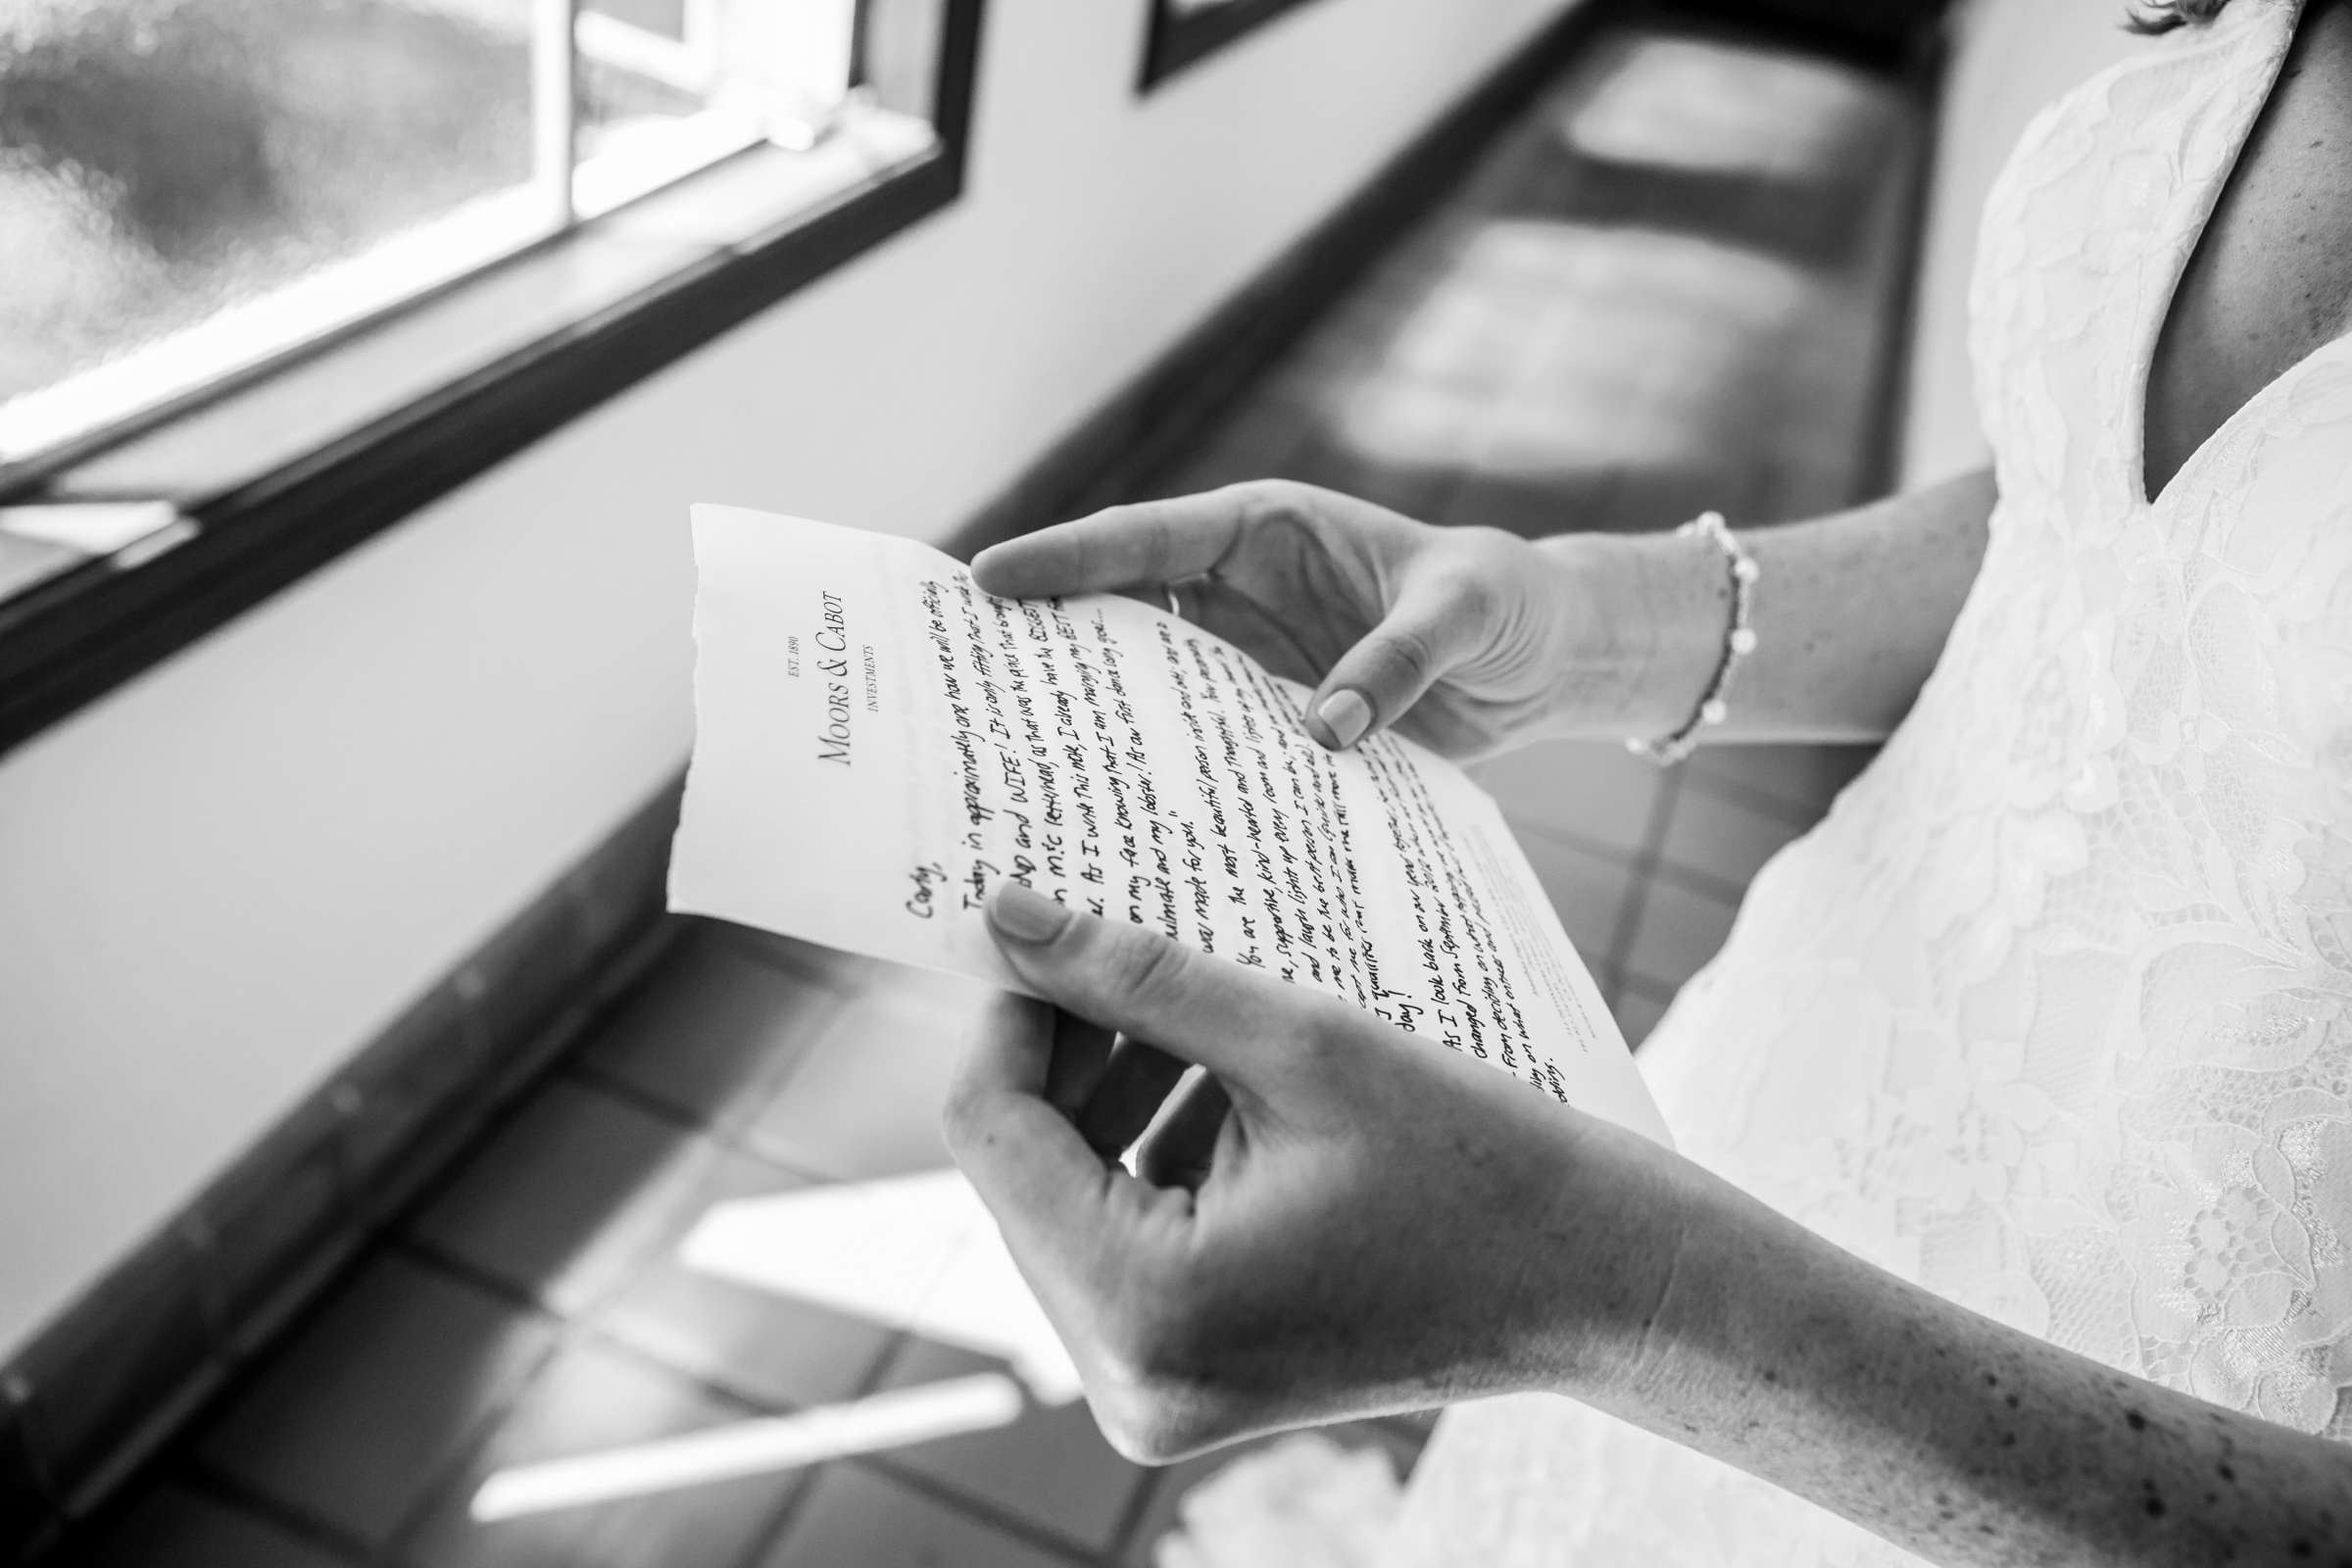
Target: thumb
{"x":1432,"y":627}
{"x":1240,"y":1024}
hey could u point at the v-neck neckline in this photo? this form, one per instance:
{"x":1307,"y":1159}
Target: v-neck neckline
{"x":2183,"y":256}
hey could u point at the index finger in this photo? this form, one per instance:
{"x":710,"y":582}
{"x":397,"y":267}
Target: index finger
{"x":1118,"y":547}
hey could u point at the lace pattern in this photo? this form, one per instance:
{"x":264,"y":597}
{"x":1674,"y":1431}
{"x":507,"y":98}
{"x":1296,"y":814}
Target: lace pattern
{"x":2053,"y":1013}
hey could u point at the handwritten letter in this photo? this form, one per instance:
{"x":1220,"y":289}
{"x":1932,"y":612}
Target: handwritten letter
{"x":879,"y":743}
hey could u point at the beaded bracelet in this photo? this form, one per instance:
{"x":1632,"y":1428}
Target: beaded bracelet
{"x":1739,"y":640}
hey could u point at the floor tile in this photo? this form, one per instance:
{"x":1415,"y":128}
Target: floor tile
{"x":1592,"y":791}
{"x":350,"y":1423}
{"x":1723,"y":839}
{"x":1051,"y":1468}
{"x":772,"y":1350}
{"x":856,"y":1519}
{"x":714,"y":1031}
{"x":829,"y":966}
{"x":173,"y":1527}
{"x":1638,"y":1010}
{"x":1797,"y":782}
{"x":1677,"y":932}
{"x":865,"y":1101}
{"x":588,"y":1399}
{"x":565,"y":1202}
{"x":1169,"y":1486}
{"x":1587,"y":891}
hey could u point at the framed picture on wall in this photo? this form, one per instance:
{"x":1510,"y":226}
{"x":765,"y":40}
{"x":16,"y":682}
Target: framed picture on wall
{"x":1184,"y":32}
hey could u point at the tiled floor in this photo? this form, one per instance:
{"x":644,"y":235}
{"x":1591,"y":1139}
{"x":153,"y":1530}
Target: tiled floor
{"x":1663,"y":290}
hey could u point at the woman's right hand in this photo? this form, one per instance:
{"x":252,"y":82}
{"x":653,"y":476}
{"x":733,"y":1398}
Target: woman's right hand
{"x":1468,"y":640}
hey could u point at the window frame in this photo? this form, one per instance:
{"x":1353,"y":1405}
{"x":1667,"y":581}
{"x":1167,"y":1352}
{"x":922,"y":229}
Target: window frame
{"x":1177,"y":40}
{"x":230,"y":544}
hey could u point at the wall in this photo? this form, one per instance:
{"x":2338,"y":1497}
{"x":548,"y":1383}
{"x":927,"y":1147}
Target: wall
{"x":2014,"y":55}
{"x":218,"y":881}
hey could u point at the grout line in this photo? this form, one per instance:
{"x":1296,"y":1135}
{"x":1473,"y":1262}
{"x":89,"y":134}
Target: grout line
{"x":1611,"y":981}
{"x":575,"y":1332}
{"x":1636,"y":903}
{"x":418,"y":1251}
{"x":944,"y":1492}
{"x":1615,"y":853}
{"x":1648,"y":989}
{"x":743,"y":942}
{"x":788,"y":1517}
{"x":1763,"y":802}
{"x":199,"y":1476}
{"x":602,"y":1080}
{"x":770,"y":1535}
{"x":717,"y":1134}
{"x":1705,"y":884}
{"x":585,"y":1329}
{"x":1131,"y":1518}
{"x":981,"y":1509}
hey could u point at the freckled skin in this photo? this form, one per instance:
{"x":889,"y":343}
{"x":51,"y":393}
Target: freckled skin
{"x":1744,"y":1337}
{"x":2272,"y":278}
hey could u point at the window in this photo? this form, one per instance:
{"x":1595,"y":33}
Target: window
{"x":256,"y":256}
{"x":188,"y":189}
{"x":1184,"y":32}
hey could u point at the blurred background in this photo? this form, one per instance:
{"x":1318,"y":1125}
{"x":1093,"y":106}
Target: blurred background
{"x":385,"y":1178}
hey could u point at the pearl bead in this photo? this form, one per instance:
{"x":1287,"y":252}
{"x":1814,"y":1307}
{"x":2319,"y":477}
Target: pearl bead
{"x":1714,"y":711}
{"x":1743,"y":640}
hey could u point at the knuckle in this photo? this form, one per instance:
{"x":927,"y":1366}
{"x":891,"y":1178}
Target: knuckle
{"x":1156,"y":1434}
{"x":1156,"y":539}
{"x":1484,"y":545}
{"x":1410,"y":654}
{"x":1166,"y":1383}
{"x":1148,"y":969}
{"x":1469,"y":577}
{"x":1323,"y":1035}
{"x":1154,"y":1413}
{"x":1259,"y":502}
{"x":1470,"y":592}
{"x":961,"y":1118}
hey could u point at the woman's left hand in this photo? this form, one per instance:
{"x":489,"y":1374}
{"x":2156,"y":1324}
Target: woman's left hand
{"x":1345,"y":1219}
{"x":1340,"y":1219}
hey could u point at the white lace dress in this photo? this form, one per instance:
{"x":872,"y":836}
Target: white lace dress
{"x":2053,"y":1013}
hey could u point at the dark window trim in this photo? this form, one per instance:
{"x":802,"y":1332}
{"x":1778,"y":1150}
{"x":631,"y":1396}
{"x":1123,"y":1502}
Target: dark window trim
{"x":72,"y":639}
{"x":1179,"y":39}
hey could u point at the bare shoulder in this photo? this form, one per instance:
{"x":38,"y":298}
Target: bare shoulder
{"x":2271,"y":279}
{"x":2297,"y":189}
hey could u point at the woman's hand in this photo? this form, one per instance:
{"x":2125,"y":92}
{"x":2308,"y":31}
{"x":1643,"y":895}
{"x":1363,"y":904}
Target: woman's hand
{"x":1466,"y":639}
{"x":1344,"y":1219}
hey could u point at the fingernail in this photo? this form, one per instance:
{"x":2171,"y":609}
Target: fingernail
{"x":1346,"y":716}
{"x":1026,"y":915}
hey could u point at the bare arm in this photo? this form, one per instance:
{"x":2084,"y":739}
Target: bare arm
{"x":1852,"y":612}
{"x":1471,"y":640}
{"x":1961,"y":1440}
{"x":1343,"y":1220}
